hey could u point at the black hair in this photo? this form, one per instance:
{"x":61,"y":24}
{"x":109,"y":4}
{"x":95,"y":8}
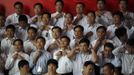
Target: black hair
{"x":84,"y":40}
{"x":120,"y":14}
{"x":49,"y":14}
{"x":52,"y":61}
{"x":109,"y":65}
{"x":38,"y":4}
{"x":104,"y":1}
{"x":102,"y":27}
{"x":57,"y":27}
{"x":79,"y":26}
{"x":23,"y":18}
{"x":18,"y":3}
{"x":110,"y":45}
{"x":66,"y":38}
{"x":2,"y":16}
{"x":40,"y":37}
{"x":62,"y":2}
{"x":89,"y":63}
{"x":81,"y":4}
{"x":130,"y":42}
{"x":22,"y":63}
{"x":18,"y":40}
{"x":121,"y":31}
{"x":33,"y":28}
{"x":10,"y":26}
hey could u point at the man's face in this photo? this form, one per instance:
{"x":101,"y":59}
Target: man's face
{"x":31,"y":34}
{"x":59,"y":6}
{"x":40,"y":44}
{"x":25,"y":68}
{"x":37,"y":9}
{"x":22,"y":24}
{"x":89,"y":69}
{"x":100,"y":5}
{"x":101,"y":33}
{"x":91,"y":18}
{"x":56,"y":33}
{"x":79,"y":8}
{"x":78,"y":33}
{"x":52,"y":67}
{"x":18,"y":46}
{"x":64,"y":42}
{"x":107,"y":52}
{"x":45,"y":18}
{"x":107,"y":70}
{"x":123,"y":5}
{"x":83,"y":47}
{"x":10,"y":33}
{"x":117,"y":19}
{"x":18,"y":9}
{"x":68,"y":18}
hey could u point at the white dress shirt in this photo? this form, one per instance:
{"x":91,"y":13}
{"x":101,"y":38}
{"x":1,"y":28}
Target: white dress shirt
{"x":38,"y":23}
{"x":6,"y":44}
{"x":79,"y":61}
{"x":126,"y":59}
{"x":18,"y":73}
{"x":105,"y":19}
{"x":91,"y":28}
{"x":12,"y":65}
{"x":13,"y":19}
{"x":22,"y":33}
{"x":83,"y":21}
{"x":41,"y":65}
{"x":58,"y":22}
{"x":29,"y":45}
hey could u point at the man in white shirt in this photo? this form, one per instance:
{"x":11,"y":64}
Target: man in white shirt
{"x":102,"y":16}
{"x":39,"y":58}
{"x":13,"y":18}
{"x":58,"y":16}
{"x":14,"y":58}
{"x":80,"y":18}
{"x":2,"y":26}
{"x":7,"y":42}
{"x":22,"y":28}
{"x":126,"y":54}
{"x":90,"y":28}
{"x":29,"y":44}
{"x":38,"y":10}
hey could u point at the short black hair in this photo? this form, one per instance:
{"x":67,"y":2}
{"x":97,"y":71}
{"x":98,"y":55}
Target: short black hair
{"x":18,"y":3}
{"x":102,"y":27}
{"x":23,"y":18}
{"x":109,"y":65}
{"x":33,"y":28}
{"x":79,"y":26}
{"x":57,"y":27}
{"x":10,"y":26}
{"x":120,"y":14}
{"x":89,"y":63}
{"x":66,"y":38}
{"x":121,"y":31}
{"x":52,"y":61}
{"x":81,"y":4}
{"x":84,"y":40}
{"x":18,"y":40}
{"x":104,"y":1}
{"x":40,"y":37}
{"x":110,"y":45}
{"x":62,"y":2}
{"x":130,"y":42}
{"x":124,"y":0}
{"x":22,"y":63}
{"x":49,"y":14}
{"x":38,"y":4}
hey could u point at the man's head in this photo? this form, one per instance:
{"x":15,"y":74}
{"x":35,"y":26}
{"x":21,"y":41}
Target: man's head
{"x":18,"y":7}
{"x":24,"y":66}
